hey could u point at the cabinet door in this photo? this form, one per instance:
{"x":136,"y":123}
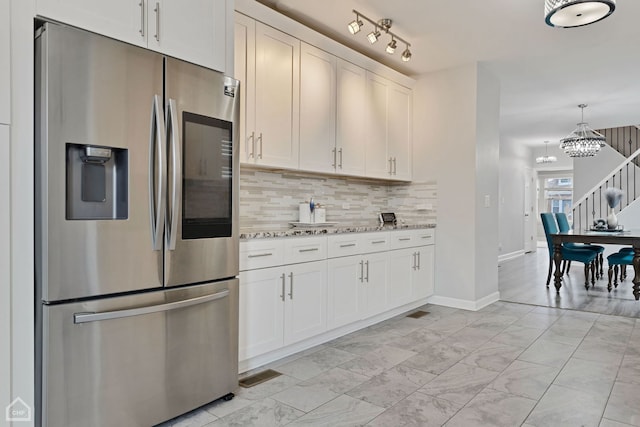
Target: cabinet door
{"x":399,"y":131}
{"x":244,"y":70}
{"x":423,"y":276}
{"x":375,"y":277}
{"x":402,"y":265}
{"x":195,"y":32}
{"x":317,"y":110}
{"x":377,"y":162}
{"x":277,"y":90}
{"x":306,"y":301}
{"x":345,"y":290}
{"x":350,"y":118}
{"x":121,"y":19}
{"x":262,"y":294}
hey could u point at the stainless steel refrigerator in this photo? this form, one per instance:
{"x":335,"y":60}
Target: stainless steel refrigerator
{"x":136,"y":232}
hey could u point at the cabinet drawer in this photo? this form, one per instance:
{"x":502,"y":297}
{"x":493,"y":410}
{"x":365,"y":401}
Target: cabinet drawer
{"x":426,"y":237}
{"x":403,"y":239}
{"x":261,"y":253}
{"x":305,"y":249}
{"x":344,"y":245}
{"x":375,"y":242}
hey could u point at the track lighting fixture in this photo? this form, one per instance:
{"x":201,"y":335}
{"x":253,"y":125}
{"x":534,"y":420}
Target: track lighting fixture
{"x":381,"y":25}
{"x":406,"y":55}
{"x":373,"y":36}
{"x":355,"y":25}
{"x":391,"y":47}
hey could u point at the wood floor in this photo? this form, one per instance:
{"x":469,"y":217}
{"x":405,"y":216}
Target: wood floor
{"x":523,"y":280}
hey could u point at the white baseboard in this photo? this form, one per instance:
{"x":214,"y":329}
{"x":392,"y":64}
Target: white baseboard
{"x":465,"y":304}
{"x":511,"y":255}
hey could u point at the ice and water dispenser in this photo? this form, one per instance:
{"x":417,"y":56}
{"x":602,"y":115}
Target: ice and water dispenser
{"x":97,"y":182}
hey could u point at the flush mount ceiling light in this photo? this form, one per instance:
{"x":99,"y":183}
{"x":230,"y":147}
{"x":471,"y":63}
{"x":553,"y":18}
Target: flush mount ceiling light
{"x":546,"y":158}
{"x":381,"y":25}
{"x":583,"y":141}
{"x":576,"y":13}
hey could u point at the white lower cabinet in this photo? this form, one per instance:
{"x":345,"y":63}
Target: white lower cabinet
{"x":402,"y":264}
{"x":345,"y":290}
{"x":422,"y":282}
{"x":293,"y":289}
{"x":280,"y":306}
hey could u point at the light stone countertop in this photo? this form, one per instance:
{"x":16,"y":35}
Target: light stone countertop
{"x":315,"y":231}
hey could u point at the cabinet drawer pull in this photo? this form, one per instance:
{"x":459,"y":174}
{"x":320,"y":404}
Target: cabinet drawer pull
{"x":376,"y":242}
{"x":260,"y":255}
{"x":404,"y":239}
{"x":347,"y":245}
{"x":367,"y":276}
{"x":308,"y":250}
{"x":361,"y":271}
{"x":426,"y":237}
{"x":157,"y":11}
{"x":418,"y":265}
{"x":290,"y":285}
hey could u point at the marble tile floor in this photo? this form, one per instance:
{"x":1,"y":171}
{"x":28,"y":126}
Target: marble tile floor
{"x":509,"y":364}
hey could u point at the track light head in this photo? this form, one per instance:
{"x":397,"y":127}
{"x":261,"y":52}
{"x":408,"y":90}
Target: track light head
{"x":391,"y":47}
{"x":355,"y":25}
{"x":373,"y":36}
{"x":406,"y":55}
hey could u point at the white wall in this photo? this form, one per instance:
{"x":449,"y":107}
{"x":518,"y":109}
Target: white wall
{"x":21,"y":204}
{"x":457,"y":145}
{"x":589,"y":171}
{"x":515,"y":160}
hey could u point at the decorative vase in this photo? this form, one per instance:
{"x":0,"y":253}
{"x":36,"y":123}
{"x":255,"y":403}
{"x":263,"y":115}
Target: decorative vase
{"x":612,"y":219}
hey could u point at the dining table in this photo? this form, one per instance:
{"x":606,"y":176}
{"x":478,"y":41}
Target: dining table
{"x":613,"y":237}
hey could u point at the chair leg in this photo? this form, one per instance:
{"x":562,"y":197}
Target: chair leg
{"x":615,"y":279}
{"x":550,"y":269}
{"x":610,"y":272}
{"x":623,"y":275}
{"x":594,"y":270}
{"x":586,"y":275}
{"x":600,"y":256}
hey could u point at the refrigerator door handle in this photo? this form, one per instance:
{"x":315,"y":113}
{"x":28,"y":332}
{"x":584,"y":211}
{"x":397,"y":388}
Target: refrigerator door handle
{"x":176,"y":166}
{"x":156,"y":143}
{"x":119,"y":314}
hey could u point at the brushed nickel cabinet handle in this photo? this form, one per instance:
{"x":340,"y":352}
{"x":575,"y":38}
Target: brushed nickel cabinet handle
{"x":377,"y":242}
{"x":283,"y":284}
{"x":259,"y":255}
{"x":347,"y":245}
{"x":290,"y":285}
{"x":340,"y":164}
{"x":308,"y":250}
{"x":141,"y":4}
{"x":157,"y":11}
{"x":361,"y":271}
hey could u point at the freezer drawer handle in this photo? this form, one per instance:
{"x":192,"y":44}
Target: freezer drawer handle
{"x":118,"y":314}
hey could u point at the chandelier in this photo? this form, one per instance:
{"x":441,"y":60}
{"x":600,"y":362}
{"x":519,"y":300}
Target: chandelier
{"x":576,"y":13}
{"x":583,"y":141}
{"x":546,"y":158}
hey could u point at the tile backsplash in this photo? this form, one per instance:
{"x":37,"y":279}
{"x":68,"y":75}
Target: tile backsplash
{"x":269,"y":199}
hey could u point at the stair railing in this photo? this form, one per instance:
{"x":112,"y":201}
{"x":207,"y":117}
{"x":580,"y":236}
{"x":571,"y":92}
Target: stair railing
{"x":593,"y":204}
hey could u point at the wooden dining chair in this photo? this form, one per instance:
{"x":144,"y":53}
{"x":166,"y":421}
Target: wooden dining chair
{"x":564,"y":227}
{"x":584,"y":256}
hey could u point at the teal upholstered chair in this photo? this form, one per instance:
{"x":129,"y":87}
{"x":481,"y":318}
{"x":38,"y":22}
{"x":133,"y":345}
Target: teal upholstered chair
{"x":564,"y":227}
{"x":617,"y":263}
{"x":584,"y":256}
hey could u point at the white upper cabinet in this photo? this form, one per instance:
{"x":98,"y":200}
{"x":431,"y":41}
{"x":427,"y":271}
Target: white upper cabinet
{"x":317,"y":110}
{"x":378,"y":164}
{"x":5,"y":63}
{"x":351,"y":118}
{"x":388,"y":152}
{"x":399,"y":113}
{"x":195,"y":32}
{"x":267,"y":62}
